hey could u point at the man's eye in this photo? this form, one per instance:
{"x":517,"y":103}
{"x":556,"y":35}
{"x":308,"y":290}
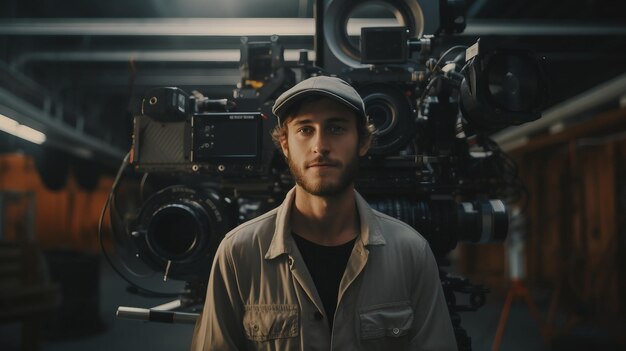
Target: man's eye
{"x":305,"y":130}
{"x":337,"y":129}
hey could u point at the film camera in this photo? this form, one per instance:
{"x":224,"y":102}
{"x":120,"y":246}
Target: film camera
{"x":212,"y":163}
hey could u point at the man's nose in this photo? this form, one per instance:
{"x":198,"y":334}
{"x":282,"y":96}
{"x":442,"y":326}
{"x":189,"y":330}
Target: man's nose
{"x":320,"y":144}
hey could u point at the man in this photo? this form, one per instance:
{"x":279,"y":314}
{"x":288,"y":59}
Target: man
{"x":324,"y":271}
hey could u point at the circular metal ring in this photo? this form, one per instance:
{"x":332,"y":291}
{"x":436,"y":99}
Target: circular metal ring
{"x":383,"y":103}
{"x":337,"y":13}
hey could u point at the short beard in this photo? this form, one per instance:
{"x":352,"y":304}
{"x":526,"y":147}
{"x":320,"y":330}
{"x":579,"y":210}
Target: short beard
{"x":346,"y":179}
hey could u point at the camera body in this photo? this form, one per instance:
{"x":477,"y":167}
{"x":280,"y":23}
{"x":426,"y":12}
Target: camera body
{"x":172,"y":134}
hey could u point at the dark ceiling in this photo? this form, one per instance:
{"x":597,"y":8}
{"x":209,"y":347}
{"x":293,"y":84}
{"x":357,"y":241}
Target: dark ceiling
{"x":77,"y":69}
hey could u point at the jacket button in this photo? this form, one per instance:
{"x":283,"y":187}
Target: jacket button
{"x":318,"y":316}
{"x":396,"y":331}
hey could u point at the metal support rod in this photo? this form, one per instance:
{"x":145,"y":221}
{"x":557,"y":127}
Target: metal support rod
{"x":151,"y":315}
{"x":237,"y":27}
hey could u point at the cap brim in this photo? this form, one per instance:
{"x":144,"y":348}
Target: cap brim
{"x":285,"y":106}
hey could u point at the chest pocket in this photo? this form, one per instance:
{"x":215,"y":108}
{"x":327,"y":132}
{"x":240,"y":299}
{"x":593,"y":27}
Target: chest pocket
{"x":267,"y":322}
{"x":393,"y":320}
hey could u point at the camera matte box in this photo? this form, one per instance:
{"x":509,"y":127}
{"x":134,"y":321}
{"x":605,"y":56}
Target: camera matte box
{"x":159,"y":143}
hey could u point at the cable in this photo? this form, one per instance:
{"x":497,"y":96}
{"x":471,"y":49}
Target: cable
{"x":113,"y":210}
{"x":101,"y":237}
{"x":426,"y":90}
{"x":142,"y":186}
{"x":433,"y":70}
{"x":456,"y":47}
{"x":445,"y":53}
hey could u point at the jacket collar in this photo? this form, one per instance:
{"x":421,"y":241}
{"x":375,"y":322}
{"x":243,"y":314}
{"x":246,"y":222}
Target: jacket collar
{"x":282,"y":241}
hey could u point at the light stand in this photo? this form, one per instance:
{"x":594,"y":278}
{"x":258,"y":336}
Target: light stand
{"x":517,"y":290}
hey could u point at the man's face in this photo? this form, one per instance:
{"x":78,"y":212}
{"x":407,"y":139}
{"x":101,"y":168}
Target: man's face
{"x":322,"y":147}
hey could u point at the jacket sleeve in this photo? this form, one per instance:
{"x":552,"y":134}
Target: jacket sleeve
{"x":432,"y":320}
{"x":220,"y":324}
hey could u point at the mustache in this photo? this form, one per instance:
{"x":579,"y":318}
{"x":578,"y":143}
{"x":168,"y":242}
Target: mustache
{"x":323,"y":161}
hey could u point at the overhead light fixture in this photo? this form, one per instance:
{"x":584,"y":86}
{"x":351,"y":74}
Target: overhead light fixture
{"x":13,"y":127}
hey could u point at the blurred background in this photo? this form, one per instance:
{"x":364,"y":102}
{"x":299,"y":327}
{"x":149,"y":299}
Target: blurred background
{"x":72,"y":77}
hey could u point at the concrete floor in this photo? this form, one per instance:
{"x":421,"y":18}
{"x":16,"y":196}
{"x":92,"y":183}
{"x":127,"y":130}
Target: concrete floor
{"x":107,"y":332}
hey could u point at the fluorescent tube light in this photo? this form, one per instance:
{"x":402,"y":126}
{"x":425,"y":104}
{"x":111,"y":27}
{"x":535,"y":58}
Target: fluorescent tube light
{"x":19,"y":130}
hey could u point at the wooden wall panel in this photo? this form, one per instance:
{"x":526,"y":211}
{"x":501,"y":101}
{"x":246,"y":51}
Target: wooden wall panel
{"x":620,"y":193}
{"x":543,"y":218}
{"x":572,"y":236}
{"x":599,"y":219}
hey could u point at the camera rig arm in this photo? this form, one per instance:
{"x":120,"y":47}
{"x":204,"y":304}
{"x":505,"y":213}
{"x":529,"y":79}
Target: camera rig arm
{"x":162,"y":313}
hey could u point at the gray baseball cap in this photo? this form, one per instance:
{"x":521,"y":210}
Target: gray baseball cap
{"x":332,"y":87}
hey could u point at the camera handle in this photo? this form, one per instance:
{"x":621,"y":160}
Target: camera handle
{"x":162,"y":313}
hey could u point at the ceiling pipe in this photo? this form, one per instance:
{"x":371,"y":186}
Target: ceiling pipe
{"x":237,"y":27}
{"x":217,"y":55}
{"x":189,"y":27}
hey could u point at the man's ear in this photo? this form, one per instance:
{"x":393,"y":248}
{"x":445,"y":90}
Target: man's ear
{"x":284,"y":146}
{"x":364,"y":145}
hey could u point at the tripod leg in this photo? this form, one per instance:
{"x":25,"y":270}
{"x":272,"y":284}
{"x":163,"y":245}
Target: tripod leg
{"x":535,"y":312}
{"x":503,"y":319}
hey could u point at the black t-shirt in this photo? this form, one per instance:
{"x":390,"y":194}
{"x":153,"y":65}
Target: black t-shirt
{"x":326,"y":264}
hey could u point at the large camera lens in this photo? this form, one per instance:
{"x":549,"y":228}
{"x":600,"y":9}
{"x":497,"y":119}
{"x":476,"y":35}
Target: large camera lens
{"x":180,"y":227}
{"x":482,"y":221}
{"x":381,"y":112}
{"x":391,"y":112}
{"x":435,"y":221}
{"x":445,"y":222}
{"x":176,"y":229}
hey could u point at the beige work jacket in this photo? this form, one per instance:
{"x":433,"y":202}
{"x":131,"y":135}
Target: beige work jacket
{"x":261,"y":296}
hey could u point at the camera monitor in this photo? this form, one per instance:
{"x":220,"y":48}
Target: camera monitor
{"x":383,"y":45}
{"x":223,"y":136}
